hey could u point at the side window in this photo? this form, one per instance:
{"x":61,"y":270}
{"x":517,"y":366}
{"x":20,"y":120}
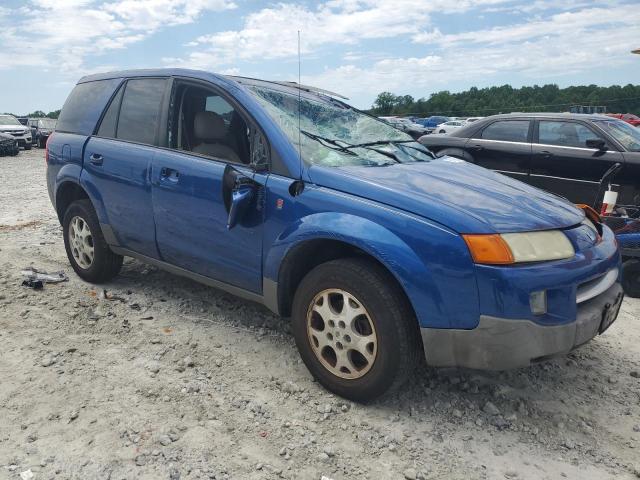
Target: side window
{"x":140,"y":110}
{"x":203,"y":122}
{"x":507,"y":131}
{"x":110,"y":120}
{"x":84,"y":106}
{"x":564,"y":134}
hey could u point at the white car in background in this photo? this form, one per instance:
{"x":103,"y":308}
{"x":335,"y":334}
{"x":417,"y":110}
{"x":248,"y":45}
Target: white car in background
{"x":11,"y":126}
{"x":450,"y":126}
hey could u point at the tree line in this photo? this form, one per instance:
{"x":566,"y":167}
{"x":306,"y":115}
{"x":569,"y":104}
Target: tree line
{"x":38,"y":114}
{"x":505,"y":99}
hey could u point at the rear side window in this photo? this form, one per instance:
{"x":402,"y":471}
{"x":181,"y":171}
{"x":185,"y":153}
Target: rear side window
{"x":84,"y":105}
{"x":110,"y":120}
{"x":565,"y":134}
{"x":140,"y":110}
{"x":507,"y":131}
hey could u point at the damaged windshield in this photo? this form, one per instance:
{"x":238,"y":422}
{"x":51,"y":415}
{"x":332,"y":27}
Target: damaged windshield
{"x":334,"y":135}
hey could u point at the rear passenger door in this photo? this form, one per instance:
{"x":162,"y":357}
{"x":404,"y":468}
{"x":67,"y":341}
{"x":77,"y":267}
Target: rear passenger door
{"x":117,"y":162}
{"x":562,"y":163}
{"x":504,"y":146}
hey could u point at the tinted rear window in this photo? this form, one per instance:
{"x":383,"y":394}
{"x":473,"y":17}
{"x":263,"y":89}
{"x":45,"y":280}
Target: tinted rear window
{"x":140,"y":110}
{"x":508,"y":131}
{"x":82,"y":109}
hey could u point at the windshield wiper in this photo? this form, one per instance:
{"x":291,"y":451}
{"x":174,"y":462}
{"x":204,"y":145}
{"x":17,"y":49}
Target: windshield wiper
{"x":379,"y":142}
{"x":331,"y":141}
{"x":346,"y":149}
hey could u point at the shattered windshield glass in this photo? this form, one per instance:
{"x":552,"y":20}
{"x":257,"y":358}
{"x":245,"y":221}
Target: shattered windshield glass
{"x":332,"y":134}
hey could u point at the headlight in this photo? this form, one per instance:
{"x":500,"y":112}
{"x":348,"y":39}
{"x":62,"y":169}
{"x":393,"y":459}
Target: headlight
{"x":509,"y":248}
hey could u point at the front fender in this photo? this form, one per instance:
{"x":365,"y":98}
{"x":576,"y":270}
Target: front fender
{"x":421,"y":280}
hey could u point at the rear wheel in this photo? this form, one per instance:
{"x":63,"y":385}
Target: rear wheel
{"x":354,"y":328}
{"x":87,"y":250}
{"x":631,"y":278}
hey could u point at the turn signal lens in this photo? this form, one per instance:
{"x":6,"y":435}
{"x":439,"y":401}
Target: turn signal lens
{"x":489,"y":249}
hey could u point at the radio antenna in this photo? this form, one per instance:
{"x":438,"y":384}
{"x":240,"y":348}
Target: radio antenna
{"x":299,"y":108}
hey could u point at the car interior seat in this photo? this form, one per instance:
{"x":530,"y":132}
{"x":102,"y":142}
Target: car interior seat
{"x":210,"y":134}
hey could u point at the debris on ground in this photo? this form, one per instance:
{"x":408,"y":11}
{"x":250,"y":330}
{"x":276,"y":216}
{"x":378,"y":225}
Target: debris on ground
{"x":33,"y":275}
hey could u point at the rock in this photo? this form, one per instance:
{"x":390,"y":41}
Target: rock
{"x":511,"y":474}
{"x":174,"y":436}
{"x":636,"y":428}
{"x":174,"y":474}
{"x":323,"y":457}
{"x":188,"y":362}
{"x":48,"y":360}
{"x":410,"y":474}
{"x":490,"y":409}
{"x":329,"y":450}
{"x":164,"y":440}
{"x":635,"y":374}
{"x":457,"y":413}
{"x":141,"y":460}
{"x":73,"y":415}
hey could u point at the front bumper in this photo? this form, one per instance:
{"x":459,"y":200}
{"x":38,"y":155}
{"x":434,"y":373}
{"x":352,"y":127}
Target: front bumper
{"x":501,"y":343}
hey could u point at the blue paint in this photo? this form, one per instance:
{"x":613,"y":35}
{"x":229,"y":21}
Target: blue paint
{"x":409,"y":217}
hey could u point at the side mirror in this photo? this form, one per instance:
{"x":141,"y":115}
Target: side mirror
{"x":596,"y":143}
{"x":241,"y":197}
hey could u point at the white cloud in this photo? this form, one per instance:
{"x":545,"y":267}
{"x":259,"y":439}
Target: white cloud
{"x":68,"y":31}
{"x":566,"y":43}
{"x":271,"y":33}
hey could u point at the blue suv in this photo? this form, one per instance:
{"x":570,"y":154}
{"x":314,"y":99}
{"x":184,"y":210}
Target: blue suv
{"x":380,"y":253}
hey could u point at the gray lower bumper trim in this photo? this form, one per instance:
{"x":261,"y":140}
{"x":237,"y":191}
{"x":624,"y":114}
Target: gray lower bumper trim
{"x":499,"y":343}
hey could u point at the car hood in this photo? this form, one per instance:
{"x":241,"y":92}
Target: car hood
{"x":10,"y":128}
{"x":454,"y":193}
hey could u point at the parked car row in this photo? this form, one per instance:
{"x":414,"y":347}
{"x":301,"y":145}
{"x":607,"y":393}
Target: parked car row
{"x":26,"y":132}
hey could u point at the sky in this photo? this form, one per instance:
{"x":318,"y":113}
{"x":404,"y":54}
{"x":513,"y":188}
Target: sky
{"x":358,"y":48}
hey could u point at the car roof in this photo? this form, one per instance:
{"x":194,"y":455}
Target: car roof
{"x":563,"y":115}
{"x":291,"y":87}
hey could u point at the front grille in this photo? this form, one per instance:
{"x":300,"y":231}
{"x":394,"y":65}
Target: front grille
{"x":593,"y":288}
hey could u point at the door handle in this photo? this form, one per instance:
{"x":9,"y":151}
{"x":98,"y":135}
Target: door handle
{"x":169,"y":174}
{"x":96,"y":159}
{"x":546,"y":153}
{"x":477,"y":148}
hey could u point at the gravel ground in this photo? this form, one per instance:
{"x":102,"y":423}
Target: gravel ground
{"x":164,"y":378}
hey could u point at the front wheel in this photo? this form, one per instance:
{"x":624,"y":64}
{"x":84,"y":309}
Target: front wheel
{"x":87,"y":250}
{"x":443,"y":131}
{"x":355,"y":329}
{"x":631,"y":278}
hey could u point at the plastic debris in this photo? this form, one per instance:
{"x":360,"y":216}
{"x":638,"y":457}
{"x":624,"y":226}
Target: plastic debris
{"x":26,"y":475}
{"x":35,"y":275}
{"x":35,"y":284}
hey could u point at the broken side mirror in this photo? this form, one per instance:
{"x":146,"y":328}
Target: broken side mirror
{"x":237,"y":192}
{"x":241,"y":197}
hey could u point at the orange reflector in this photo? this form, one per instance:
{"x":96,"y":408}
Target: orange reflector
{"x":489,"y":249}
{"x":590,"y":213}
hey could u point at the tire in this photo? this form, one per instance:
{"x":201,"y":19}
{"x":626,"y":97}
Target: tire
{"x":631,"y":278}
{"x":27,"y":146}
{"x":442,"y":131}
{"x":41,"y":143}
{"x":105,"y":264}
{"x":397,"y":348}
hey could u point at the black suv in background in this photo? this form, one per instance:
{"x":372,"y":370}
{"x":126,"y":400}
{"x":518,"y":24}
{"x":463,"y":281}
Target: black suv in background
{"x":41,"y":128}
{"x":566,"y":154}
